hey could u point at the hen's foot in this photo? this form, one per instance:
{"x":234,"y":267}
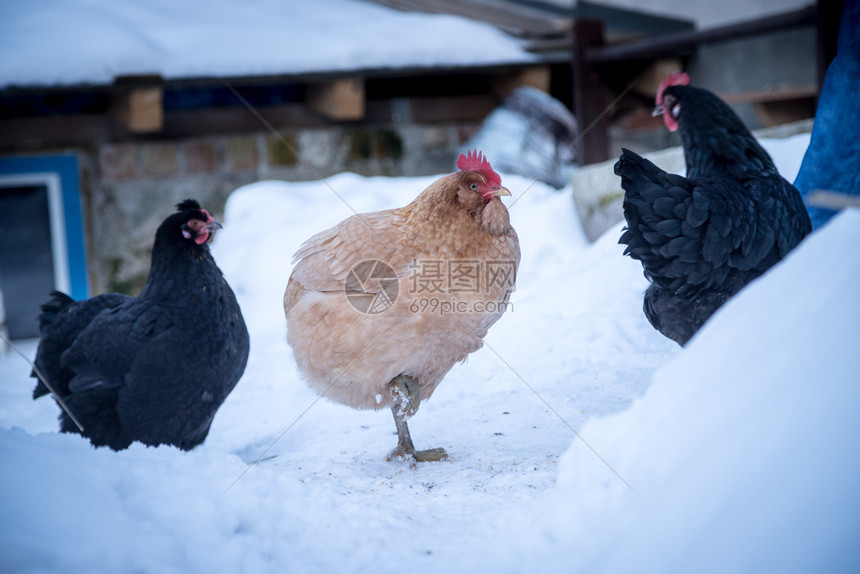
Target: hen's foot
{"x":431,"y":455}
{"x":407,"y":454}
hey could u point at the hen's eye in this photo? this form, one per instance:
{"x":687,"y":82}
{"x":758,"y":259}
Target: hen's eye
{"x":473,"y":186}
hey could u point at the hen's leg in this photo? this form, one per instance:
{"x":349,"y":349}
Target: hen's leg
{"x":407,"y":398}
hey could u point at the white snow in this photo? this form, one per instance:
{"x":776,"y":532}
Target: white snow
{"x":57,"y":42}
{"x":741,"y":449}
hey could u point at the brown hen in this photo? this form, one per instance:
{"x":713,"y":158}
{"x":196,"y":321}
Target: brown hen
{"x":382,"y":305}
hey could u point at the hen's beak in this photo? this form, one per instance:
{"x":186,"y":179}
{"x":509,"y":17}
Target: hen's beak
{"x":500,"y":191}
{"x":658,"y":111}
{"x":209,"y":231}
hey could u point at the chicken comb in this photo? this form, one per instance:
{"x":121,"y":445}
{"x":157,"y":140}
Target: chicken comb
{"x":474,"y":160}
{"x":187,"y":204}
{"x":674,"y":79}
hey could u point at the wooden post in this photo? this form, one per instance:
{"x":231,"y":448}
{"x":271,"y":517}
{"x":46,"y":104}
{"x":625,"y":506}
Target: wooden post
{"x":341,"y":99}
{"x":137,"y":103}
{"x":589,"y":94}
{"x":827,"y":25}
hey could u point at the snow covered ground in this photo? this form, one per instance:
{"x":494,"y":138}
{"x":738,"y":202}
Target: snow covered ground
{"x":92,"y":42}
{"x":580,"y":439}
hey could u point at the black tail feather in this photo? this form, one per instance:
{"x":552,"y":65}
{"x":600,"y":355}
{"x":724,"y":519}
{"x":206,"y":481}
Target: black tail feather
{"x":58,"y":303}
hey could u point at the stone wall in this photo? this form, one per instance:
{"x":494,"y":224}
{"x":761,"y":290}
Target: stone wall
{"x":129,"y":188}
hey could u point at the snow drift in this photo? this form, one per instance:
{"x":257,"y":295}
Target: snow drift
{"x":740,"y":449}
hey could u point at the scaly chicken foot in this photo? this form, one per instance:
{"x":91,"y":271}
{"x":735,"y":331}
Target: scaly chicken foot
{"x":407,"y":398}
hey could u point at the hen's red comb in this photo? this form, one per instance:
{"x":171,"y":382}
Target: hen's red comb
{"x":674,"y":79}
{"x":474,"y":160}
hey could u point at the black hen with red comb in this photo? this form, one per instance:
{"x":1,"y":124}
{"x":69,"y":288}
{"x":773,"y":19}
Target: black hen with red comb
{"x":153,"y":368}
{"x":703,"y":237}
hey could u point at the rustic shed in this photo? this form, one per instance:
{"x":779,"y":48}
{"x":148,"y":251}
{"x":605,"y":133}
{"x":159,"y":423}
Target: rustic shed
{"x":131,"y":108}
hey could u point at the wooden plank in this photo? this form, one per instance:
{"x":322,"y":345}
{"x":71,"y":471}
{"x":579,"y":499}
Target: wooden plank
{"x":341,"y":99}
{"x":682,"y":43}
{"x":206,"y":121}
{"x":535,"y":77}
{"x":779,"y":94}
{"x":779,"y":112}
{"x":21,"y":134}
{"x":454,"y":108}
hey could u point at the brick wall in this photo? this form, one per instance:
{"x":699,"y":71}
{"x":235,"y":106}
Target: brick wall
{"x":128,"y":188}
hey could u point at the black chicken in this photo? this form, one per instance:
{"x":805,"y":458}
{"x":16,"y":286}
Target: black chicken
{"x":701,"y":238}
{"x":153,"y":368}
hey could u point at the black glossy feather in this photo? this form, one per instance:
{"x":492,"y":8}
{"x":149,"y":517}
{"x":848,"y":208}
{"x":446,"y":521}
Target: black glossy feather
{"x":153,"y":368}
{"x":701,"y":238}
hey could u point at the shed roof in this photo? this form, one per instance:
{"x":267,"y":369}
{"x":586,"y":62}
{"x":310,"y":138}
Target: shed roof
{"x":85,"y":42}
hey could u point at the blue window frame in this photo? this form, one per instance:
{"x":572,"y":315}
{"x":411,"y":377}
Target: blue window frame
{"x":59,"y":174}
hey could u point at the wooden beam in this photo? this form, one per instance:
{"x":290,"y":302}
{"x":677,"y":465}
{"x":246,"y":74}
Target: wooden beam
{"x":535,"y":77}
{"x":451,"y":108}
{"x":23,"y":134}
{"x":341,"y":99}
{"x":33,"y":133}
{"x":780,"y":112}
{"x":137,"y":103}
{"x":682,"y":43}
{"x":777,"y":94}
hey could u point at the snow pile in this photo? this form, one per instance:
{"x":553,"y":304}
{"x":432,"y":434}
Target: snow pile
{"x":92,"y":42}
{"x":743,"y":453}
{"x":740,"y":448}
